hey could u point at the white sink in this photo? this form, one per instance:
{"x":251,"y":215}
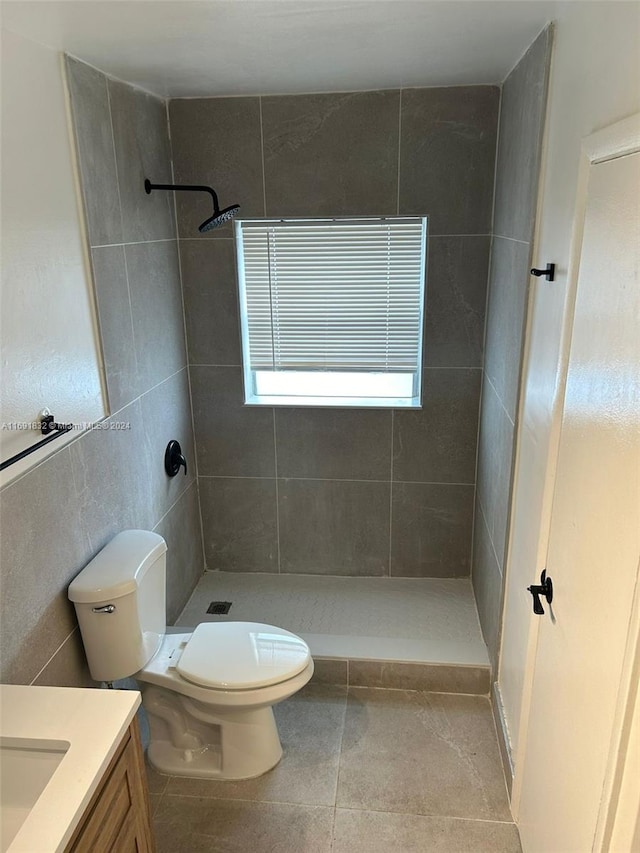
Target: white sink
{"x":26,"y":767}
{"x":55,"y":746}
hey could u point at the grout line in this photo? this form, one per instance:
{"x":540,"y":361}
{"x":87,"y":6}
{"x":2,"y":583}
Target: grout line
{"x":499,"y":399}
{"x":229,"y":574}
{"x":148,"y":391}
{"x":303,"y":805}
{"x":133,"y":242}
{"x":204,"y":239}
{"x":430,"y":816}
{"x":264,"y":180}
{"x":501,"y":739}
{"x":435,"y":236}
{"x":490,"y":535}
{"x":39,"y":673}
{"x":331,"y":480}
{"x":275,"y":455}
{"x":399,"y":147}
{"x":186,"y":338}
{"x":495,"y":162}
{"x":115,"y":157}
{"x":511,"y":239}
{"x":221,"y":96}
{"x":344,"y":726}
{"x":198,"y":364}
{"x":124,"y":253}
{"x":177,"y":501}
{"x":133,"y":328}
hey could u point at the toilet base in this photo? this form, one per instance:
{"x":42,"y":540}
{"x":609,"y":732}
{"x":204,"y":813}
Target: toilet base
{"x":190,"y":738}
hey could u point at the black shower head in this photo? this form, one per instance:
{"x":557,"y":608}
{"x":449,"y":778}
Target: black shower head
{"x":220,"y":217}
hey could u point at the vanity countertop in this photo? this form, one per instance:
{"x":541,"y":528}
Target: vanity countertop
{"x":93,"y":722}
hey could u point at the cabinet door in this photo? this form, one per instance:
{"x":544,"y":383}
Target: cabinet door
{"x":118,"y":820}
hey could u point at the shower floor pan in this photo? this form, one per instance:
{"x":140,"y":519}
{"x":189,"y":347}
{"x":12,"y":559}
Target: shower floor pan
{"x":414,"y":633}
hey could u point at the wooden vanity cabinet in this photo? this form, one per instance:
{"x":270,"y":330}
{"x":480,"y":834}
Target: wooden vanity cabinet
{"x":118,"y":818}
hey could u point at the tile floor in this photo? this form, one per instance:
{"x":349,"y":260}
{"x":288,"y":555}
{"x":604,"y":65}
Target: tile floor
{"x":364,"y":771}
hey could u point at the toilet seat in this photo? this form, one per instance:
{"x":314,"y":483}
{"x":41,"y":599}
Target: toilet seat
{"x":162,"y":672}
{"x":241,"y":656}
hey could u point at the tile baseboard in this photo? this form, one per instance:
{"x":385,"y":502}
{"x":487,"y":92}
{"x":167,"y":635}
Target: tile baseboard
{"x":433,"y":678}
{"x":503,"y":736}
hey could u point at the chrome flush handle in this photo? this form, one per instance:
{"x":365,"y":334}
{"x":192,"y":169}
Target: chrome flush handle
{"x":106,"y":608}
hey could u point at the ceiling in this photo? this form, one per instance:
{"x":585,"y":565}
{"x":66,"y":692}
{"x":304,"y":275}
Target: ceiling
{"x":184,"y":48}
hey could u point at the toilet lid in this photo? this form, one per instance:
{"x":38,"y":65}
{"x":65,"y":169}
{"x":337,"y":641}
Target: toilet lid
{"x":241,"y":655}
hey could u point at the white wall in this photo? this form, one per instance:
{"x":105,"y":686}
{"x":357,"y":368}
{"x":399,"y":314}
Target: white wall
{"x":595,"y":81}
{"x":49,"y":345}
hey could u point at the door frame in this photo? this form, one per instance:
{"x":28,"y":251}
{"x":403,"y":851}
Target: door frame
{"x":618,"y":822}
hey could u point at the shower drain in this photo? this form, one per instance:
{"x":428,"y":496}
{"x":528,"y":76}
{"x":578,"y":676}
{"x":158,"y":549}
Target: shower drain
{"x":219,"y":607}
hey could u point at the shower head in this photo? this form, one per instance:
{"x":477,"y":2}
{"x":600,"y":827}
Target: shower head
{"x":218,"y":218}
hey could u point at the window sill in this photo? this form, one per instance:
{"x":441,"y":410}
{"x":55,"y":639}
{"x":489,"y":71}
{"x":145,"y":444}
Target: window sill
{"x":335,"y":402}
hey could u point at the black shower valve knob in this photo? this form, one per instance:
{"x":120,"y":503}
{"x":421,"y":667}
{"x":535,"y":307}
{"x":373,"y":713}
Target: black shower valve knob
{"x":174,"y":459}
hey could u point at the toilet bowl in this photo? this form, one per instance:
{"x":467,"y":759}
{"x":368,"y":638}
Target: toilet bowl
{"x":209,"y":695}
{"x":210,"y":715}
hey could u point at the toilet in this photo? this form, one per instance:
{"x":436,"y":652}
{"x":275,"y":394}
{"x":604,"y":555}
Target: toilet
{"x":209,"y":694}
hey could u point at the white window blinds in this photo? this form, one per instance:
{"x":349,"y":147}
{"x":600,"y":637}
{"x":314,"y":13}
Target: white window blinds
{"x":339,"y":295}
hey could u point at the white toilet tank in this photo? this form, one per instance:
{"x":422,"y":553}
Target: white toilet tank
{"x":120,"y":601}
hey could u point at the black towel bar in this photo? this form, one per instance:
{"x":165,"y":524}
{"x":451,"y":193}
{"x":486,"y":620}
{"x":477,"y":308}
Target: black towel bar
{"x":50,"y":429}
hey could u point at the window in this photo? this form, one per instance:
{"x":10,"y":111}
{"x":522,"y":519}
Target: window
{"x":331,"y":310}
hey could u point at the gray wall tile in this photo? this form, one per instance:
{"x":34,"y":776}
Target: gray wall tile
{"x":447,"y":155}
{"x":347,"y":444}
{"x":330,"y":671}
{"x":431,"y":530}
{"x":111,"y":472}
{"x":524,"y":98}
{"x":110,"y":478}
{"x":68,"y":667}
{"x":437,"y":444}
{"x":331,"y":154}
{"x":506,"y":318}
{"x":211,"y":301}
{"x":435,"y":678}
{"x":156,"y":305}
{"x":216,"y":142}
{"x":333,"y":528}
{"x":166,"y":415}
{"x":96,"y":154}
{"x":232,"y":439}
{"x":181,"y":530}
{"x":239,"y":519}
{"x":455,"y":301}
{"x":495,"y":459}
{"x":487,"y":586}
{"x":519,"y":153}
{"x":142,"y":151}
{"x":116,"y":325}
{"x":339,"y":154}
{"x":41,"y":549}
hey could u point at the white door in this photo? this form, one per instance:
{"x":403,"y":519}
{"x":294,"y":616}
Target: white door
{"x":588,"y":634}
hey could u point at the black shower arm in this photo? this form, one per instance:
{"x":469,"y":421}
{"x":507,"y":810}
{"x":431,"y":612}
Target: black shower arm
{"x":149,"y":187}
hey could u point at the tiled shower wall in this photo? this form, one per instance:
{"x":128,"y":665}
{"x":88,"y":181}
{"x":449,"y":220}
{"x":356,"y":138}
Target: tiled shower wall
{"x":57,"y":516}
{"x":524,"y":97}
{"x":343,"y":492}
